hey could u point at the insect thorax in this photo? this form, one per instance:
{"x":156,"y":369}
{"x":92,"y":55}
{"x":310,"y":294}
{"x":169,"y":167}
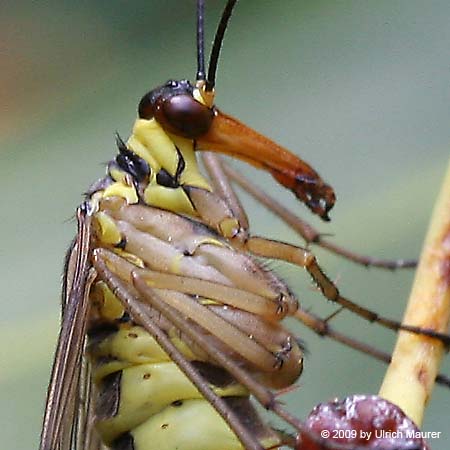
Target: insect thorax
{"x":154,"y":168}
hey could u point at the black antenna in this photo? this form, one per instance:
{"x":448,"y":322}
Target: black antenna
{"x":201,"y":74}
{"x":218,"y":39}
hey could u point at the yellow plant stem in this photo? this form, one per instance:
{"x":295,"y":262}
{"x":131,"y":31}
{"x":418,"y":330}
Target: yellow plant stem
{"x":410,"y":377}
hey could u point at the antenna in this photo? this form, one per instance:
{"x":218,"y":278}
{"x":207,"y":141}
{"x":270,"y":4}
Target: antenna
{"x":201,"y":74}
{"x":218,"y":39}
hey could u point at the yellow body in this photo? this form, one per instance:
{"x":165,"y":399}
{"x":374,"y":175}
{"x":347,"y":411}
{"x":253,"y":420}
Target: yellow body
{"x":156,"y":406}
{"x":155,"y":146}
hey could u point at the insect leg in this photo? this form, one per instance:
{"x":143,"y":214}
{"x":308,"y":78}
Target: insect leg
{"x":221,"y":174}
{"x":222,"y":186}
{"x":139,"y":315}
{"x":323,"y":329}
{"x":258,"y":342}
{"x":273,"y":308}
{"x":307,"y":231}
{"x":304,"y":258}
{"x":63,"y":382}
{"x":264,"y":396}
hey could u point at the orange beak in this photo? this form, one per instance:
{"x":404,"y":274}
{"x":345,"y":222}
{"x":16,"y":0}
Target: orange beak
{"x":231,"y":137}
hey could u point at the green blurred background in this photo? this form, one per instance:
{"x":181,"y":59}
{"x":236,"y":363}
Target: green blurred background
{"x":359,"y":89}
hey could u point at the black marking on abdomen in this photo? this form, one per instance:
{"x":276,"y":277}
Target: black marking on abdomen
{"x":213,"y":374}
{"x":100,"y":331}
{"x":108,"y":399}
{"x":243,"y":408}
{"x":124,"y":442}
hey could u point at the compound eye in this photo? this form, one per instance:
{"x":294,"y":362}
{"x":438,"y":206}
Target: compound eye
{"x":184,"y":116}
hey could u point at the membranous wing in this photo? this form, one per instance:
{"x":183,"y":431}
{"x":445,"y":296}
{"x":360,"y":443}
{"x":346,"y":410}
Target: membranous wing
{"x":67,"y":423}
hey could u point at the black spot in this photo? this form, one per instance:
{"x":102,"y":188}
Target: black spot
{"x":177,"y":403}
{"x":125,"y":318}
{"x":122,"y":244}
{"x":163,"y":178}
{"x":130,"y":162}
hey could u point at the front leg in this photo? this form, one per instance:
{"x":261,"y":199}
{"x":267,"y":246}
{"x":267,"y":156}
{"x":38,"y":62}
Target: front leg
{"x":302,"y":257}
{"x":215,"y":211}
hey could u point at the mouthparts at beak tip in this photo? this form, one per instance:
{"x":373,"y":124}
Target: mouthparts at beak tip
{"x":229,"y":136}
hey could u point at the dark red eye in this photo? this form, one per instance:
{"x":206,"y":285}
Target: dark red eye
{"x":183,"y":115}
{"x":173,"y":105}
